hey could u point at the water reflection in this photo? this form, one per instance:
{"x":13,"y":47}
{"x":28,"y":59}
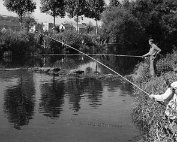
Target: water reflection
{"x":19,"y":101}
{"x":80,"y":88}
{"x":123,"y":65}
{"x":63,"y":107}
{"x":52,"y":98}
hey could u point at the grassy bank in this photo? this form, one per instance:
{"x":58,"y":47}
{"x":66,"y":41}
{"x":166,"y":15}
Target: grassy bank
{"x":149,"y":114}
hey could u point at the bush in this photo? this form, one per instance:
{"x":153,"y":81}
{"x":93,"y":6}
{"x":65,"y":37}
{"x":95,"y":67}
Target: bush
{"x":80,"y":42}
{"x":168,"y":63}
{"x":19,"y":43}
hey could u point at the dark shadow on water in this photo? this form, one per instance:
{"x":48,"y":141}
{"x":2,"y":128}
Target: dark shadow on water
{"x":52,"y":98}
{"x":76,"y":88}
{"x":19,"y":101}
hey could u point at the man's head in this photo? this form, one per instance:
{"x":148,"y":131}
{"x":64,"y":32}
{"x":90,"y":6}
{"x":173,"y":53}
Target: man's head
{"x":151,"y":41}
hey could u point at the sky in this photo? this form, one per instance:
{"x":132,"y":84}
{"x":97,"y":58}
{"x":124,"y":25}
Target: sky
{"x":42,"y":17}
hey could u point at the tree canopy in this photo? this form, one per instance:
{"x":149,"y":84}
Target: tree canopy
{"x":114,"y":3}
{"x":136,"y":21}
{"x":121,"y":27}
{"x":94,"y":9}
{"x":53,"y":7}
{"x":21,"y":7}
{"x":75,"y":8}
{"x":158,"y":18}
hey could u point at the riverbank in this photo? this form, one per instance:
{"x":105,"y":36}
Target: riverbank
{"x":149,"y":114}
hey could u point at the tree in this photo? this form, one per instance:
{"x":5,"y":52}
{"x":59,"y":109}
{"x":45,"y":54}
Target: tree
{"x":158,"y":18}
{"x":21,"y":7}
{"x":90,"y":27}
{"x":114,"y":3}
{"x":75,"y":8}
{"x":123,"y":28}
{"x":53,"y":7}
{"x":29,"y":21}
{"x":95,"y":8}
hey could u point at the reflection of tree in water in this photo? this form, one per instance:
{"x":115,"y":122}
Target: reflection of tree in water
{"x":19,"y":102}
{"x":94,"y":88}
{"x":52,"y":98}
{"x":77,"y":87}
{"x":123,"y":65}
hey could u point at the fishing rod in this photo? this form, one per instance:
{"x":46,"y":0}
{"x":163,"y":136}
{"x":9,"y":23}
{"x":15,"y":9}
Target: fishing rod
{"x":130,"y":56}
{"x":98,"y":62}
{"x":100,"y":55}
{"x":118,"y":55}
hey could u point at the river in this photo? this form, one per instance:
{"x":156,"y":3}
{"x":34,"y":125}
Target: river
{"x":37,"y":107}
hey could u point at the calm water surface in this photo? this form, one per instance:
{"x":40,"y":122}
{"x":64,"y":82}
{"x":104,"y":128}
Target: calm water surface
{"x":37,"y":107}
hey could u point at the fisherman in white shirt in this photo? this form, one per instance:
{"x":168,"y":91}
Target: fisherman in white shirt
{"x":170,"y":93}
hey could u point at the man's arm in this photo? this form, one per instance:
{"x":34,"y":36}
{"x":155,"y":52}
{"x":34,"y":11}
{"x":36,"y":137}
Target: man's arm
{"x":156,"y":48}
{"x":149,"y":53}
{"x":162,"y":97}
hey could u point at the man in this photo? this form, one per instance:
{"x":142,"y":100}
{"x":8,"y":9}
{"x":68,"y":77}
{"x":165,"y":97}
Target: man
{"x":154,"y":50}
{"x":171,"y":95}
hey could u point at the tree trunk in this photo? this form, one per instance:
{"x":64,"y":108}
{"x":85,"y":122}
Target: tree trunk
{"x":96,"y":27}
{"x":54,"y":21}
{"x":77,"y":24}
{"x":21,"y":21}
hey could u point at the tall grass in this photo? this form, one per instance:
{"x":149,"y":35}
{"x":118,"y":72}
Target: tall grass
{"x":149,"y":114}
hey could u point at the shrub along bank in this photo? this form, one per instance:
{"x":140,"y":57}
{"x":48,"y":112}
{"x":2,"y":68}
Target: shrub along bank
{"x":18,"y":43}
{"x":148,"y":113}
{"x":24,"y":43}
{"x":84,"y":43}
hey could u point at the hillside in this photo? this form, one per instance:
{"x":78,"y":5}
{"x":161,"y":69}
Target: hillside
{"x":9,"y":22}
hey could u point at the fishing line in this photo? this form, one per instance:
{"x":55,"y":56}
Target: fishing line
{"x":98,"y":62}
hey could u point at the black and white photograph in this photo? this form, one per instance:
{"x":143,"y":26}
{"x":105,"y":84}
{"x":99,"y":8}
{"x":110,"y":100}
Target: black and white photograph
{"x":88,"y":70}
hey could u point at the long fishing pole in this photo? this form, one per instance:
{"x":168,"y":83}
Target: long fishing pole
{"x":100,"y":55}
{"x":99,"y":63}
{"x":130,"y":56}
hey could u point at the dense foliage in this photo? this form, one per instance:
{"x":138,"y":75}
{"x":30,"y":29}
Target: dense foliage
{"x":94,"y":10}
{"x":20,"y":7}
{"x":54,"y":8}
{"x":84,"y":43}
{"x":146,"y":19}
{"x":18,"y":43}
{"x":121,"y":27}
{"x":75,"y":9}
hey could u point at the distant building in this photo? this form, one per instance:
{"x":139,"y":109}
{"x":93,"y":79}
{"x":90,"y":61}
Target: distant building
{"x":82,"y":28}
{"x":66,"y":26}
{"x":47,"y":26}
